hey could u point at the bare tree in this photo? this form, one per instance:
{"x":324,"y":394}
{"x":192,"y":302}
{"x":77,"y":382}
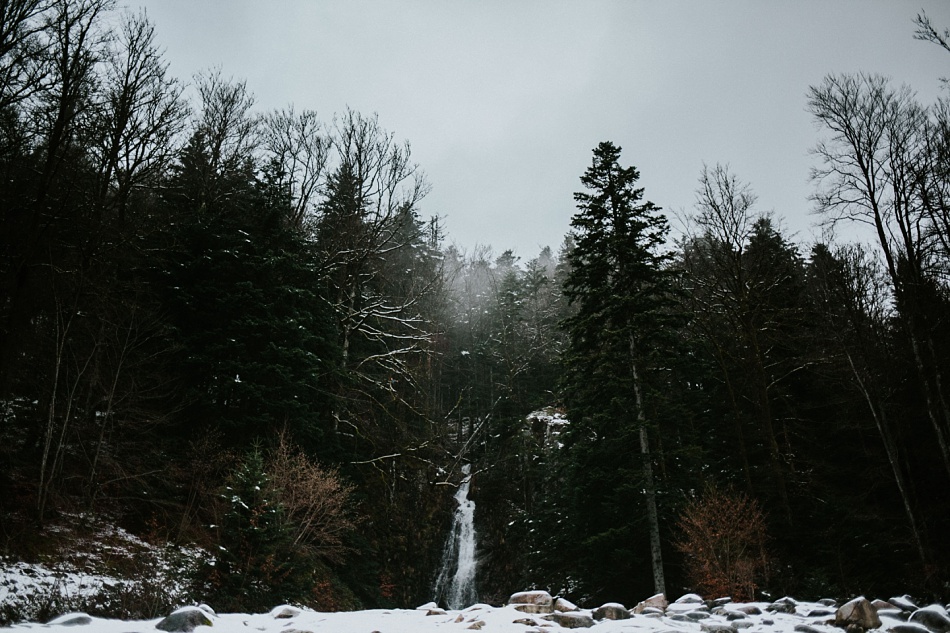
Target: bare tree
{"x":871,"y":174}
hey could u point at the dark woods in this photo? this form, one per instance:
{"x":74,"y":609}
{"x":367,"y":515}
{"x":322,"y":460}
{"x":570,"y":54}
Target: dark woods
{"x":238,"y":329}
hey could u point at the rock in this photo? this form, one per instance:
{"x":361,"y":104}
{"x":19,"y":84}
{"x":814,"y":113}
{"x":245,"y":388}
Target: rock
{"x":718,"y":602}
{"x":525,"y":621}
{"x":807,"y":628}
{"x":532,"y":602}
{"x":184,"y":620}
{"x":565,"y":606}
{"x":857,"y":612}
{"x":828,"y":602}
{"x":934,"y":617}
{"x":689,"y":598}
{"x":749,"y":609}
{"x":904,"y":603}
{"x":734,"y":615}
{"x":477,"y":625}
{"x":716,"y":627}
{"x":680,"y":617}
{"x":611,"y":611}
{"x":459,"y":618}
{"x":696,"y":616}
{"x":71,"y":619}
{"x":436,"y":611}
{"x":909,"y":628}
{"x":571,"y":620}
{"x":819,"y":613}
{"x":207,"y":609}
{"x":743,"y":624}
{"x":767,"y":621}
{"x":879,"y":604}
{"x":783,"y":605}
{"x":427,"y":606}
{"x":652,"y":612}
{"x":283,"y":612}
{"x":657,"y":601}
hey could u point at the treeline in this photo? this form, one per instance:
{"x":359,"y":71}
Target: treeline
{"x":237,"y":329}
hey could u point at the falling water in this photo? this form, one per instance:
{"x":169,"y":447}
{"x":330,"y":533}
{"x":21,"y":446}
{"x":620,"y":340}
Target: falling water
{"x":456,"y":581}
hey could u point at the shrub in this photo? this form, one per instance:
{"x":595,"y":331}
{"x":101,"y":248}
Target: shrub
{"x":723,"y":542}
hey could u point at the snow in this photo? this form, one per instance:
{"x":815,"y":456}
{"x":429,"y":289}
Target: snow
{"x":429,"y":619}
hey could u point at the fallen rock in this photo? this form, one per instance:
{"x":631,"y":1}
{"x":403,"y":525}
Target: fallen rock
{"x":184,"y":620}
{"x":657,"y":601}
{"x":564,"y":605}
{"x":571,"y":620}
{"x":532,"y":602}
{"x":934,"y":617}
{"x":525,"y":621}
{"x":71,"y":619}
{"x":857,"y":612}
{"x":611,"y":611}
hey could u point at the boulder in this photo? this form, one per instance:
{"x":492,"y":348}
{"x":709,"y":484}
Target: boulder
{"x":718,"y":602}
{"x":749,"y":609}
{"x":807,"y":628}
{"x":909,"y":628}
{"x":732,"y":615}
{"x":184,"y":620}
{"x":689,"y":598}
{"x":436,"y":611}
{"x":427,"y":606}
{"x":525,"y":621}
{"x":564,"y":605}
{"x":828,"y":602}
{"x":571,"y":620}
{"x":783,"y":605}
{"x":857,"y":613}
{"x":879,"y":604}
{"x":283,"y":612}
{"x":894,"y":614}
{"x":658,"y":601}
{"x":532,"y":602}
{"x":904,"y":603}
{"x":696,"y":616}
{"x":819,"y":613}
{"x":611,"y":611}
{"x":716,"y":627}
{"x":71,"y":619}
{"x":934,"y":617}
{"x":476,"y":625}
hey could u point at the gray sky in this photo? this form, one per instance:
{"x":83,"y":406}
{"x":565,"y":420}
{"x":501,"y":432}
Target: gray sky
{"x":503,"y":101}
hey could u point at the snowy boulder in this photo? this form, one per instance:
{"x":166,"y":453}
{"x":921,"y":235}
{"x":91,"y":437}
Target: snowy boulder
{"x":565,"y":606}
{"x":934,"y":617}
{"x":749,"y":609}
{"x":532,"y":602}
{"x":880,"y":605}
{"x":571,"y":620}
{"x":689,"y":598}
{"x":904,"y":603}
{"x":857,"y":613}
{"x":783,"y":605}
{"x":184,"y":620}
{"x":284,"y":612}
{"x":71,"y":619}
{"x":908,"y":628}
{"x":716,"y":627}
{"x":658,"y":601}
{"x":611,"y":611}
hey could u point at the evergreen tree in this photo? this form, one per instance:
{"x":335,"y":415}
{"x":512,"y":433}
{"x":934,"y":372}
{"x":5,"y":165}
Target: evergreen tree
{"x":621,"y":286}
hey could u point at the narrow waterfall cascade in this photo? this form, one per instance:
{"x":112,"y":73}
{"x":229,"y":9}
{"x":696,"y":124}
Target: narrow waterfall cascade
{"x":456,"y":581}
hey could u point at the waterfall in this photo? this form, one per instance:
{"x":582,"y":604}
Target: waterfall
{"x":456,"y":581}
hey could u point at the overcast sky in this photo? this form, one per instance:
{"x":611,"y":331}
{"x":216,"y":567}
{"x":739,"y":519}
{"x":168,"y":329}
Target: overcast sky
{"x":503,"y":101}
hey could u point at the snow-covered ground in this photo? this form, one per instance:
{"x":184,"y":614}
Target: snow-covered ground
{"x":678,"y":618}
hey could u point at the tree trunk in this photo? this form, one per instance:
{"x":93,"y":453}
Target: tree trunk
{"x":656,"y":551}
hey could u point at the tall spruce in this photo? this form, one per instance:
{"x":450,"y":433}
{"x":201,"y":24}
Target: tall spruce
{"x":620,"y":284}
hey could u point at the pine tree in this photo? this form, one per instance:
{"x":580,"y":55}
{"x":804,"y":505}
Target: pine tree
{"x":620,"y":284}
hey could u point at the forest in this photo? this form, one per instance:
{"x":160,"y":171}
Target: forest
{"x":238,"y":330}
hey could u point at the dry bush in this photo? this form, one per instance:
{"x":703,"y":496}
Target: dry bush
{"x":723,"y":542}
{"x":316,"y":501}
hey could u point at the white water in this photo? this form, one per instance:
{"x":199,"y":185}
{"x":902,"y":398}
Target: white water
{"x":456,"y":581}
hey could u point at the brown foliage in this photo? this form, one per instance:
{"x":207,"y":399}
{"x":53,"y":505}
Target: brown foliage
{"x":316,"y":501}
{"x":723,"y":543}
